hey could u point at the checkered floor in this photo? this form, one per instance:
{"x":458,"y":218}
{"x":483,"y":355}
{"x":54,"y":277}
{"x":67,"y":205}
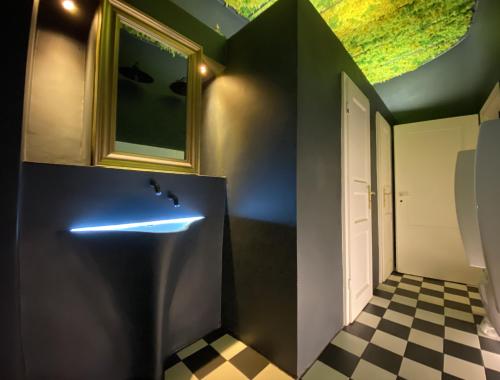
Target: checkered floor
{"x":219,"y":356}
{"x":413,"y":328}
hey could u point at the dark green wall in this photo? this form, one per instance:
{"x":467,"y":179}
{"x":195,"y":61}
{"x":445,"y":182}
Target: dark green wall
{"x":250,"y":137}
{"x":321,"y":60}
{"x":456,"y":83}
{"x":185,"y":24}
{"x":18,"y":24}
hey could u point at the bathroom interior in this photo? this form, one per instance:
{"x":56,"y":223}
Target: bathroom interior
{"x":251,"y":189}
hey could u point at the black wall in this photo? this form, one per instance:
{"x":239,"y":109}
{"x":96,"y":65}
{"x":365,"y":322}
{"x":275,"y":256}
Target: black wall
{"x":321,"y":60}
{"x":115,"y":305}
{"x":250,"y":137}
{"x":18,"y":24}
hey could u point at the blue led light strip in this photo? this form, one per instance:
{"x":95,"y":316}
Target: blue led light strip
{"x":154,"y":226}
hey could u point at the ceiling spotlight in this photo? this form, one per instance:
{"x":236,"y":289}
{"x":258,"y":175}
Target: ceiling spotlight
{"x":203,"y":69}
{"x":69,"y":5}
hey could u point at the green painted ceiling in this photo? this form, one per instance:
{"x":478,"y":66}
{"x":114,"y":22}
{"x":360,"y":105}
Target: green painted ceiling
{"x":387,"y":38}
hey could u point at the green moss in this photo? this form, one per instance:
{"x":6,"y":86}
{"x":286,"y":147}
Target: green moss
{"x":387,"y":38}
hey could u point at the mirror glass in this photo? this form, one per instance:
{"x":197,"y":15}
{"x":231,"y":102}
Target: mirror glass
{"x":151,"y":113}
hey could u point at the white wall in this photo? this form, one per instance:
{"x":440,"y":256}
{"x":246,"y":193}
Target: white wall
{"x":428,"y":240}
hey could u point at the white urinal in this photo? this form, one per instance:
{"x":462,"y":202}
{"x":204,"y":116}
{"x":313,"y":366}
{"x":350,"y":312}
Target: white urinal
{"x":487,"y":188}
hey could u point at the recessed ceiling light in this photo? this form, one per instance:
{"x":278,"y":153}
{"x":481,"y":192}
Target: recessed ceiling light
{"x":69,"y":5}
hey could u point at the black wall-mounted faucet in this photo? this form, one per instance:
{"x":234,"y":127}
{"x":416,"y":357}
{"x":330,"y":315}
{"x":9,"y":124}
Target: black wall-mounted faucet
{"x":173,"y":198}
{"x":156,"y":187}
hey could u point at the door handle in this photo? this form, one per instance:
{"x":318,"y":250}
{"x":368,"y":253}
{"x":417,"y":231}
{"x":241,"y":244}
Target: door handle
{"x":370,"y":195}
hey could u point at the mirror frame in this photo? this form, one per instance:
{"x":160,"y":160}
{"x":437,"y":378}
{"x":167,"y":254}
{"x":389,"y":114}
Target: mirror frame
{"x":114,"y":14}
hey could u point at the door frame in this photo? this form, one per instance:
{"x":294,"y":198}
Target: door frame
{"x":381,"y":195}
{"x":344,"y":210}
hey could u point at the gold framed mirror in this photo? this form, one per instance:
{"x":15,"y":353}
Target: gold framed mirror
{"x":147,"y":99}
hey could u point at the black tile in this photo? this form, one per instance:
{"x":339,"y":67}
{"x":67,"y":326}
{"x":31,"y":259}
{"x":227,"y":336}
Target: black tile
{"x":430,"y":307}
{"x":214,"y":335}
{"x":446,"y":376}
{"x":170,"y":361}
{"x":406,"y":293}
{"x":458,"y":292}
{"x":460,"y":325}
{"x":374,"y":309}
{"x":492,"y":375}
{"x":382,"y":358}
{"x":475,"y":302}
{"x":339,"y":359}
{"x":360,"y":330}
{"x":478,"y":319}
{"x":489,"y":344}
{"x":458,"y":306}
{"x":424,"y":355}
{"x":434,"y":281}
{"x":382,"y":294}
{"x":462,"y":351}
{"x":428,"y":327}
{"x":473,"y":289}
{"x":411,"y":282}
{"x":405,"y":309}
{"x":394,"y":328}
{"x":431,"y":292}
{"x":204,"y":361}
{"x":391,"y":283}
{"x":250,"y":362}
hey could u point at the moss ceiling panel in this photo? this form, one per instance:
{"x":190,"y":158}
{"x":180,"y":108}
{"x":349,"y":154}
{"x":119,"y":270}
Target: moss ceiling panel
{"x":387,"y":38}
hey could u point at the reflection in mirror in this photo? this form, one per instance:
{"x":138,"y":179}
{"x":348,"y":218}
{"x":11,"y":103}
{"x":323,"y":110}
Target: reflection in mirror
{"x":151,"y":114}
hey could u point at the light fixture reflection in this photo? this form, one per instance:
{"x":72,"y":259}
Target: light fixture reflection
{"x":69,"y":5}
{"x":154,"y":226}
{"x":203,"y":69}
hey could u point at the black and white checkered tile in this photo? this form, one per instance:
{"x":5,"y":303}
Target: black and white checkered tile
{"x":219,"y":356}
{"x":413,"y":328}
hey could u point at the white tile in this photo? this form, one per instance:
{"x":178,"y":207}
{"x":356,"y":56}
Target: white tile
{"x":426,"y":340}
{"x":491,"y":360}
{"x":430,"y":316}
{"x":455,"y":298}
{"x":350,"y":343}
{"x":413,"y":277}
{"x":458,"y":314}
{"x":379,"y":301}
{"x":428,"y":285}
{"x":320,"y":371}
{"x":463,"y":369}
{"x":404,"y":300}
{"x":454,"y":285}
{"x":412,"y":370}
{"x":271,"y":372}
{"x":228,"y":347}
{"x":179,"y":372}
{"x":400,"y":318}
{"x":226,"y":371}
{"x":475,"y":295}
{"x":189,"y":350}
{"x":368,"y":319}
{"x":389,"y":342}
{"x":386,"y":288}
{"x":368,"y":371}
{"x":477,"y":310}
{"x":409,"y":287}
{"x":395,"y":277}
{"x":431,"y":299}
{"x":463,"y":337}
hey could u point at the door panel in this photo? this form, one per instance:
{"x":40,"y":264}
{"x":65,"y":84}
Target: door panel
{"x":357,"y":184}
{"x":385,"y":198}
{"x":428,"y":241}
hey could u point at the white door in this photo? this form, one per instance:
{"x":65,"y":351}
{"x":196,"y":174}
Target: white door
{"x":428,"y":239}
{"x":384,"y":199}
{"x":356,"y":200}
